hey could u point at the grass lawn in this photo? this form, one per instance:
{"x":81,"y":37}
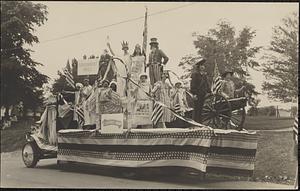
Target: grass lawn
{"x":267,"y":123}
{"x":13,"y":138}
{"x":274,"y":157}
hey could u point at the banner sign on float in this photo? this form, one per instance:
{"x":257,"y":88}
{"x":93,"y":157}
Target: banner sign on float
{"x":112,"y":123}
{"x":88,"y":67}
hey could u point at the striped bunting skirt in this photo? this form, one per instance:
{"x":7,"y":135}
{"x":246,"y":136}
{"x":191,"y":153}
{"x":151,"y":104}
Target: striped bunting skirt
{"x":198,"y":148}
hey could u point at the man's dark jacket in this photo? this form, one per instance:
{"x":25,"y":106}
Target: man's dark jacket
{"x":199,"y":84}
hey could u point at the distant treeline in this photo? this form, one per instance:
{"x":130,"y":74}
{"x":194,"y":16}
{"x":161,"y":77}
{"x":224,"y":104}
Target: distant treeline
{"x":268,"y":111}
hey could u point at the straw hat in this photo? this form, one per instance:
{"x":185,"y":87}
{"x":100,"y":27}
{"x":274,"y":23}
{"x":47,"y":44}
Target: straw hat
{"x":143,"y":74}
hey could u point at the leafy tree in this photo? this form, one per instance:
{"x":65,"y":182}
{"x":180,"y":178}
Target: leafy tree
{"x":281,"y":67}
{"x":19,"y":78}
{"x":221,"y":45}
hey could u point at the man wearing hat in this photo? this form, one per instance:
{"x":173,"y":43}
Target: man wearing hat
{"x":156,"y":58}
{"x":199,"y":88}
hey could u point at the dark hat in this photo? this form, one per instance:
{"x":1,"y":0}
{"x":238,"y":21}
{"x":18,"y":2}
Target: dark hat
{"x":200,"y":62}
{"x":153,"y":41}
{"x":227,"y":71}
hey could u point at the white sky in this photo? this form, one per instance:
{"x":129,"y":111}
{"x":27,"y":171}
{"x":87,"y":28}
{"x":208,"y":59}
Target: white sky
{"x":173,"y":29}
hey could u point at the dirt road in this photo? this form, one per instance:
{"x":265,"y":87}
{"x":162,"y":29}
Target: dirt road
{"x":47,"y":174}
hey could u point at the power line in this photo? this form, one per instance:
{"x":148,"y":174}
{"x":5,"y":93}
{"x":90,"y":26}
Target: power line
{"x":117,"y":23}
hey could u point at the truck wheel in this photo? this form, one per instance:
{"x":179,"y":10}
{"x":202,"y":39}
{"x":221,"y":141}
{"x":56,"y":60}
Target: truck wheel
{"x":30,"y":155}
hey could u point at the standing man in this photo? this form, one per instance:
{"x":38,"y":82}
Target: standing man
{"x":199,"y":89}
{"x":156,"y":58}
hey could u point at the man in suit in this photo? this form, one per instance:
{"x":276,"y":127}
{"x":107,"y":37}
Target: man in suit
{"x":157,"y":58}
{"x":199,"y":89}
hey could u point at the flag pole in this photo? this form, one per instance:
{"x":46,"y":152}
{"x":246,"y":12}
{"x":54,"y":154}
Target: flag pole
{"x":145,"y":34}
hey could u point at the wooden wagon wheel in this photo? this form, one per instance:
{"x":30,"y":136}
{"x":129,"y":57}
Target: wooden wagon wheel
{"x":216,"y":111}
{"x":238,"y":115}
{"x":238,"y":119}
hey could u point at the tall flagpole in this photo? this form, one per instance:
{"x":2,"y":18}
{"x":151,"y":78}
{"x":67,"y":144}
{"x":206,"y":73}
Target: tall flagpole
{"x":145,"y":34}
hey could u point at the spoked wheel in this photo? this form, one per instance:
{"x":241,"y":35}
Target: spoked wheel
{"x":238,"y":114}
{"x":216,"y":111}
{"x":30,"y":155}
{"x":237,"y":119}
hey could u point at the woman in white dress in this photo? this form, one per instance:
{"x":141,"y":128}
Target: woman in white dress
{"x":161,"y":92}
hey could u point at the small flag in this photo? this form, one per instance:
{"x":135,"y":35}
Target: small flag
{"x":80,"y":113}
{"x":295,"y":129}
{"x":69,"y":78}
{"x":157,"y":113}
{"x":177,"y":108}
{"x":217,"y":82}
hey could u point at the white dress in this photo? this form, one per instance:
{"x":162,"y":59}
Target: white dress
{"x":122,"y":73}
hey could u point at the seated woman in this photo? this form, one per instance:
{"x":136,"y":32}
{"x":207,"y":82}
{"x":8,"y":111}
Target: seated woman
{"x":108,"y":101}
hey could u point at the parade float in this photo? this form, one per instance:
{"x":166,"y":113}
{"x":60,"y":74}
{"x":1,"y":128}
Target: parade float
{"x":116,"y":142}
{"x":110,"y":136}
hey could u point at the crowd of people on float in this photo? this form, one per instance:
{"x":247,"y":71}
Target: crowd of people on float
{"x":127,"y":80}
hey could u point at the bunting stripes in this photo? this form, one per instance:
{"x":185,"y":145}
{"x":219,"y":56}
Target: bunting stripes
{"x":177,"y":108}
{"x":295,"y":129}
{"x":80,"y":114}
{"x":79,"y":111}
{"x":157,"y":113}
{"x":217,"y":83}
{"x":115,"y":97}
{"x":69,"y":78}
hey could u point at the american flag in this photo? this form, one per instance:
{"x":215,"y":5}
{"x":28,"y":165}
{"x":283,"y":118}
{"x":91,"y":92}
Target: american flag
{"x":217,"y":82}
{"x":295,"y":129}
{"x":69,"y":78}
{"x":177,"y":108}
{"x":157,"y":113}
{"x":115,"y":98}
{"x":80,"y":113}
